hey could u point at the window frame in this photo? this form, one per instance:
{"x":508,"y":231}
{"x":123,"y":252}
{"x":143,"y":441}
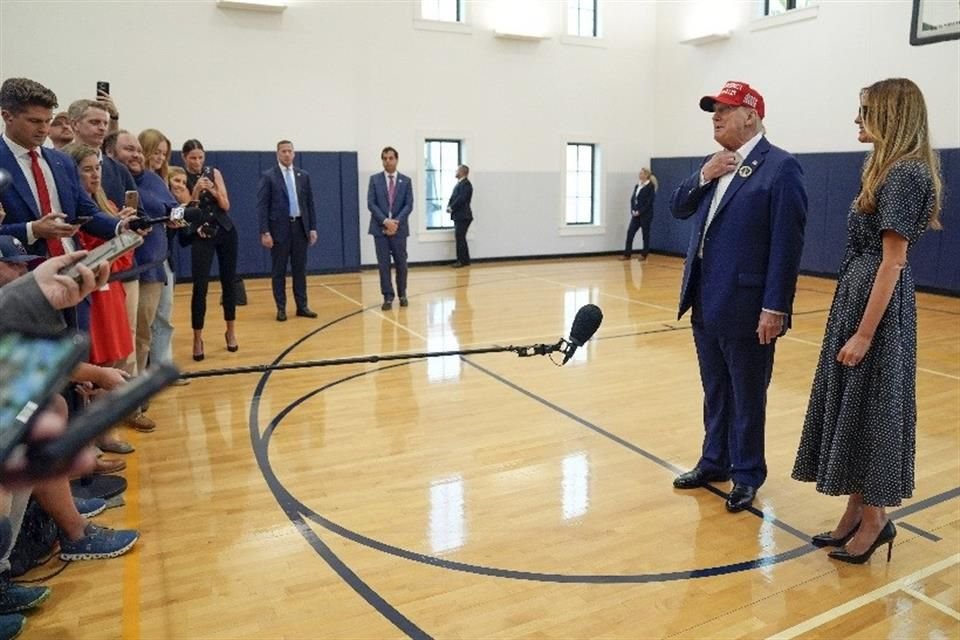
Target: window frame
{"x":596,"y":217}
{"x":435,"y":234}
{"x":461,"y":25}
{"x":596,"y":19}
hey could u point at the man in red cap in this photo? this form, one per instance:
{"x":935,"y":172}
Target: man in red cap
{"x":749,"y":207}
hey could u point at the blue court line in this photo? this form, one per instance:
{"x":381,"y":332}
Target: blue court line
{"x":260,"y":446}
{"x":291,"y":508}
{"x":923,"y":533}
{"x":632,"y":447}
{"x":923,"y":504}
{"x":291,"y":504}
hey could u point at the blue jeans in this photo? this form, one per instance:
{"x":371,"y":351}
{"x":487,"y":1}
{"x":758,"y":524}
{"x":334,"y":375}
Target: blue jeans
{"x":162,"y":326}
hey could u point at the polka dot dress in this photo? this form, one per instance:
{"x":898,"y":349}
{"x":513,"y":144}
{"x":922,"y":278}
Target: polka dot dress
{"x":860,"y":428}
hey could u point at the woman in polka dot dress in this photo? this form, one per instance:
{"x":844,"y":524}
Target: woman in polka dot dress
{"x":859,"y":433}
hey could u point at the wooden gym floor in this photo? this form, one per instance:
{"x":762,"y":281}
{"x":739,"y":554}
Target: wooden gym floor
{"x":498,"y":497}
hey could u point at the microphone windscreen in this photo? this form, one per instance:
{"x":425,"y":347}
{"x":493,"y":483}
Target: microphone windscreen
{"x":585,"y":324}
{"x":5,"y":179}
{"x":193,"y":215}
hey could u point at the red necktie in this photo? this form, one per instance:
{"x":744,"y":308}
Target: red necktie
{"x":54,"y":246}
{"x":391,"y":192}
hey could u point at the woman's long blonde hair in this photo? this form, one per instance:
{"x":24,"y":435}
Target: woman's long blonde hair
{"x":652,"y":178}
{"x":150,"y":139}
{"x":894,"y":115}
{"x":80,"y":152}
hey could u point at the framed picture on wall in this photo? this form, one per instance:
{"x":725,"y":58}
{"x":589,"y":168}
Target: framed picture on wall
{"x":934,"y":21}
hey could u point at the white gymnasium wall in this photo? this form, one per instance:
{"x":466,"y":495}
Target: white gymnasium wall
{"x":361,"y":75}
{"x":809,"y":72}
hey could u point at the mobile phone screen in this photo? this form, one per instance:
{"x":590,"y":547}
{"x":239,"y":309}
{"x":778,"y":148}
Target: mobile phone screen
{"x":103,"y":87}
{"x":32,"y":369}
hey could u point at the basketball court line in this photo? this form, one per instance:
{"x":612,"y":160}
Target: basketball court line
{"x":415,"y":630}
{"x":936,"y":604}
{"x":378,"y":313}
{"x":130,"y":607}
{"x":923,"y":369}
{"x":899,"y":584}
{"x":567,"y":285}
{"x":923,"y":533}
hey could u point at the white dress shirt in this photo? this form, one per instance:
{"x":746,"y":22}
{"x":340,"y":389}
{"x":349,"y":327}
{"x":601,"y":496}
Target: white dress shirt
{"x":396,"y":182}
{"x":723,"y":182}
{"x":22,"y":154}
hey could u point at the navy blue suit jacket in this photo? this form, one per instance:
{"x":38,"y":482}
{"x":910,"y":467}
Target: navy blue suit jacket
{"x":273,"y":203}
{"x":21,"y":206}
{"x":459,"y":204}
{"x":380,"y":211}
{"x":751,"y":253}
{"x":642,"y":201}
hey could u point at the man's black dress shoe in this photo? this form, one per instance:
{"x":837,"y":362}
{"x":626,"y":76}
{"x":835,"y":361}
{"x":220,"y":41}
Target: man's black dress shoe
{"x":741,"y":497}
{"x":387,"y":305}
{"x":403,"y":301}
{"x":697,"y":477}
{"x":306,"y":313}
{"x":458,"y":265}
{"x":281,"y":315}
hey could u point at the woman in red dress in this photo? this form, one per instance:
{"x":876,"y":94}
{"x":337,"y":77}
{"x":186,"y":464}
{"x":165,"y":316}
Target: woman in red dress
{"x":110,"y":341}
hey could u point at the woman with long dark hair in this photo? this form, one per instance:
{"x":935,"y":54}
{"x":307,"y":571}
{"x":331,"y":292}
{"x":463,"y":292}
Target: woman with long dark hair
{"x":217,"y":236}
{"x":860,"y":429}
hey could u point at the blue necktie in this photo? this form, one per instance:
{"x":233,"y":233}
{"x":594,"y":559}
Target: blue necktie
{"x":291,"y":192}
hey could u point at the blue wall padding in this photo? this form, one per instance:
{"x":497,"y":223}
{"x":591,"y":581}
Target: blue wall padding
{"x":832,"y":182}
{"x":334,"y":179}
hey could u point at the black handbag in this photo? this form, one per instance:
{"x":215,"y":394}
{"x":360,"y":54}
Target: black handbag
{"x":239,"y":292}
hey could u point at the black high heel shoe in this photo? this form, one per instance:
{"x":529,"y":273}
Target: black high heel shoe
{"x":826,"y":538}
{"x":199,"y":356}
{"x":231,"y":348}
{"x":886,"y":536}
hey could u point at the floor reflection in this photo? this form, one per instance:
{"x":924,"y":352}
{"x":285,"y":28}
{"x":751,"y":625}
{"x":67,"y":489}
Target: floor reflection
{"x":576,"y":485}
{"x":447,"y":516}
{"x":442,"y":337}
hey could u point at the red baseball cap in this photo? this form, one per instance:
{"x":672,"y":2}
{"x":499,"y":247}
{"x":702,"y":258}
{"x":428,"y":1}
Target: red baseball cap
{"x":735,"y":94}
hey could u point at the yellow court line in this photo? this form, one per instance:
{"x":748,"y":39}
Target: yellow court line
{"x":130,"y":612}
{"x":865,"y":599}
{"x":922,"y":597}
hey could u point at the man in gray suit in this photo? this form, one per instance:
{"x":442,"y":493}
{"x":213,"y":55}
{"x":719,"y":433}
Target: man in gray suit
{"x":390,"y":201}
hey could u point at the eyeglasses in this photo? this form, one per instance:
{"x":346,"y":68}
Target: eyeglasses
{"x":863,"y":112}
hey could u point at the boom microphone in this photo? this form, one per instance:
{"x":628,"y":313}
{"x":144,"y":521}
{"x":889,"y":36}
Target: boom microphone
{"x":192,"y":215}
{"x":585,"y":324}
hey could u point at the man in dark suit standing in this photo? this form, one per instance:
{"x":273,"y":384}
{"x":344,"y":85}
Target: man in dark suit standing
{"x":288,"y":224}
{"x":45,"y":198}
{"x":749,"y":208}
{"x":459,"y":209}
{"x":390,"y":202}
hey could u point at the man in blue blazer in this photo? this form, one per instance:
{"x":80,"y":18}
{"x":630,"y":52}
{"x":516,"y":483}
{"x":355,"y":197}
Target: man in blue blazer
{"x":749,"y":208}
{"x":390,"y":201}
{"x":45,"y":198}
{"x":288,"y":224}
